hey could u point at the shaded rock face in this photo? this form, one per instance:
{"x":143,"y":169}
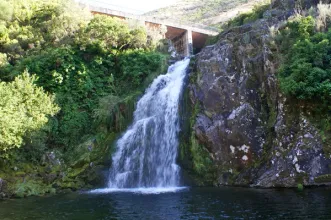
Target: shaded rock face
{"x":255,"y":136}
{"x":2,"y":188}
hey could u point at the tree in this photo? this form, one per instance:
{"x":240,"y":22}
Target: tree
{"x":24,"y":108}
{"x":112,"y":34}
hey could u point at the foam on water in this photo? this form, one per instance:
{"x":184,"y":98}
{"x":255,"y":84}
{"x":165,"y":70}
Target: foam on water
{"x":152,"y":190}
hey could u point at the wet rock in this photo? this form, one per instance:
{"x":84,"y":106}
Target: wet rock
{"x":51,"y":159}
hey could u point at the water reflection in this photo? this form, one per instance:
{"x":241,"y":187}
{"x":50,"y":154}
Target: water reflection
{"x":198,"y":203}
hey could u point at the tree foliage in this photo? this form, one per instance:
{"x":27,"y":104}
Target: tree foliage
{"x":306,"y":73}
{"x":24,"y":108}
{"x":79,"y":58}
{"x":6,"y":11}
{"x":31,"y":24}
{"x":112,"y":34}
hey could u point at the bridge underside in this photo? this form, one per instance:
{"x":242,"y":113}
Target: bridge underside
{"x":185,"y":41}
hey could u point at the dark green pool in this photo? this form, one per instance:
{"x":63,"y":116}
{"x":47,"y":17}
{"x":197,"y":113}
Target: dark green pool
{"x":194,"y":203}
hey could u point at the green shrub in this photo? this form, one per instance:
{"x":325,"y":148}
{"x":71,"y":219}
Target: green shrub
{"x":95,"y":67}
{"x":109,"y":34}
{"x":24,"y":108}
{"x":248,"y":17}
{"x":300,"y":187}
{"x":82,"y":60}
{"x":6,"y":10}
{"x":306,"y":72}
{"x":33,"y":24}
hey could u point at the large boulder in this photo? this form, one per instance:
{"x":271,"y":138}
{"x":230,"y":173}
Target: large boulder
{"x":254,"y":135}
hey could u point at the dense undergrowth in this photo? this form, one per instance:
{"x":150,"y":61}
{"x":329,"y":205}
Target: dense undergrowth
{"x":305,"y":72}
{"x":73,"y":78}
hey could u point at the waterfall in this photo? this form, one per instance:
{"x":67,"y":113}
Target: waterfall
{"x":145,"y":157}
{"x":146,"y":153}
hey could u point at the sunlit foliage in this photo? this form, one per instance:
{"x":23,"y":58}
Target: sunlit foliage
{"x":24,"y":108}
{"x":77,"y":57}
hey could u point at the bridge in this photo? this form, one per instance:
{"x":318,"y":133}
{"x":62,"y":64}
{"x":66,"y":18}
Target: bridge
{"x":184,"y":38}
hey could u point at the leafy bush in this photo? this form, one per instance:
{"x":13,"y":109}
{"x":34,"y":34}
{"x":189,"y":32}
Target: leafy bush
{"x":6,"y":10}
{"x":24,"y":108}
{"x":80,"y":78}
{"x":249,"y":17}
{"x":136,"y":65}
{"x":33,"y":24}
{"x":79,"y":59}
{"x":111,"y":34}
{"x":95,"y":67}
{"x":306,"y":72}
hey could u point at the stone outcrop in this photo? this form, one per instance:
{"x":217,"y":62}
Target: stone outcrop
{"x":254,"y":134}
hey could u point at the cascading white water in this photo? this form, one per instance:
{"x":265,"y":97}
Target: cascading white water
{"x":146,"y":153}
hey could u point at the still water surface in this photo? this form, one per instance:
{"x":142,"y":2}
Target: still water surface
{"x":194,"y":203}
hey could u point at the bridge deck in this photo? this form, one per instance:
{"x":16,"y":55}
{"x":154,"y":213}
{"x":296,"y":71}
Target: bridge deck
{"x":206,"y":30}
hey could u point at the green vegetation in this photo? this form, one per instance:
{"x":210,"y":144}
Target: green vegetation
{"x":201,"y":161}
{"x":24,"y":107}
{"x":79,"y":61}
{"x":241,"y":19}
{"x":86,"y":73}
{"x":323,"y":178}
{"x":31,"y":188}
{"x":193,"y":156}
{"x":248,"y":17}
{"x":300,"y":187}
{"x":305,"y":73}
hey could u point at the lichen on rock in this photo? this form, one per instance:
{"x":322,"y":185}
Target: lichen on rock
{"x":255,"y":136}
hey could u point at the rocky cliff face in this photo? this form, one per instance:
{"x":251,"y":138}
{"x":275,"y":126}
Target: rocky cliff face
{"x":253,"y":134}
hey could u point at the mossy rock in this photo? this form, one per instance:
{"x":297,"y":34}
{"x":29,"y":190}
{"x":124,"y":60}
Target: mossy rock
{"x":30,"y":188}
{"x":193,"y":157}
{"x":73,"y":172}
{"x":323,"y":178}
{"x":20,"y":173}
{"x":71,"y":184}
